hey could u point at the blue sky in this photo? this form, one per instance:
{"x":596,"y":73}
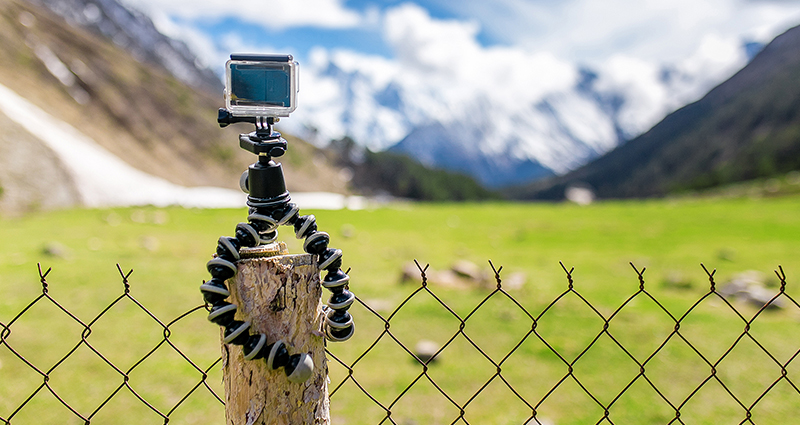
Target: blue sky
{"x":583,"y":31}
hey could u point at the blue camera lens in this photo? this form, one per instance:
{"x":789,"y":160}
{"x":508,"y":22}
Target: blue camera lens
{"x":256,"y":85}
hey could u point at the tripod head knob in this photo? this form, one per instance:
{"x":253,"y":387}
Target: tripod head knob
{"x":272,"y":146}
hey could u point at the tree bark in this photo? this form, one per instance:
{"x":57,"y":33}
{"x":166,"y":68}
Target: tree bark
{"x":281,"y":296}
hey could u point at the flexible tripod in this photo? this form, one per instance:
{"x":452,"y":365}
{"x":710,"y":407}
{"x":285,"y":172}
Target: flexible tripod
{"x":270,"y":207}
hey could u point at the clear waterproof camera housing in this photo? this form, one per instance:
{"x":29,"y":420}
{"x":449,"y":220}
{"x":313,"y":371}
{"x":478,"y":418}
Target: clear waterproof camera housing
{"x":261,"y":85}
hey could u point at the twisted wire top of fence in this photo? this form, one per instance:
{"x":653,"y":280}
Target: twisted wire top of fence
{"x":498,"y":361}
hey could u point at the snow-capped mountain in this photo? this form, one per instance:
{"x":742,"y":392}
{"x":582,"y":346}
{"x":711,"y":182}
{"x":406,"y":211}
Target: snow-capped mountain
{"x":743,"y":129}
{"x":502,"y":131}
{"x":504,"y":146}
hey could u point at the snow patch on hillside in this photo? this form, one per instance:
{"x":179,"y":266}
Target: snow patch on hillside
{"x":104,"y":180}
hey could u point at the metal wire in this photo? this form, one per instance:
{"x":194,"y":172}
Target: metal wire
{"x":462,"y":407}
{"x":533,"y":404}
{"x":124,"y":374}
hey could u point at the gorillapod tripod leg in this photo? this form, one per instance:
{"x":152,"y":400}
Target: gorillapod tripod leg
{"x":271,"y":207}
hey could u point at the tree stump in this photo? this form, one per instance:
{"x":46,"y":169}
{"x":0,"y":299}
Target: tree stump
{"x":281,"y":296}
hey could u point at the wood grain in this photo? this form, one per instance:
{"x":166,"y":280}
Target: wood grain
{"x":281,"y":296}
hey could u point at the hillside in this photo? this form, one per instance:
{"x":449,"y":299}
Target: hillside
{"x":135,"y":110}
{"x":136,"y":33}
{"x":384,"y":173}
{"x":747,"y":127}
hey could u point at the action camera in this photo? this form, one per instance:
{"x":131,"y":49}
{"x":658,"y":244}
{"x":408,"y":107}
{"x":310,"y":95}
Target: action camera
{"x":261,"y":85}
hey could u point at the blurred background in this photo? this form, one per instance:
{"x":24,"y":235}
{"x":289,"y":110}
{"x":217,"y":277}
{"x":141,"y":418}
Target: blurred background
{"x":506,"y":99}
{"x":599,"y":134}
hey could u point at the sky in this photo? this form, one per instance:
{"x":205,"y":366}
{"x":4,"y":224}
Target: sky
{"x":494,"y":49}
{"x":578,"y":31}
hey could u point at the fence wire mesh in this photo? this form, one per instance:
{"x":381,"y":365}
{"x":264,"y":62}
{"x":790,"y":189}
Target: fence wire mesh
{"x":497,"y":361}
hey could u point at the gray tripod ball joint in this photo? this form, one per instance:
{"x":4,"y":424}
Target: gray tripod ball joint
{"x":270,"y":207}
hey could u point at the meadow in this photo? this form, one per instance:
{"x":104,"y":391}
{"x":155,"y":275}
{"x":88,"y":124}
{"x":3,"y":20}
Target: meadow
{"x":670,"y":238}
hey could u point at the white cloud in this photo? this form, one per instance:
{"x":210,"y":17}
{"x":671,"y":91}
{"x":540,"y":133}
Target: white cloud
{"x":638,"y":81}
{"x":421,"y":41}
{"x":271,"y":14}
{"x":717,"y":56}
{"x":654,"y":30}
{"x":650,"y":94}
{"x":445,"y":56}
{"x":439,"y":68}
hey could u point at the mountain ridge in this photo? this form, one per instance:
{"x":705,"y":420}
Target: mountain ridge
{"x":136,"y":33}
{"x":746,"y":127}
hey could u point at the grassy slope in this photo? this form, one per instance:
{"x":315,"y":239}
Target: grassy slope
{"x":168,"y":249}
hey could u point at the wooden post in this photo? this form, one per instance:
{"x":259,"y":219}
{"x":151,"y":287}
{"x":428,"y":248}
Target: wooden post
{"x":281,"y":296}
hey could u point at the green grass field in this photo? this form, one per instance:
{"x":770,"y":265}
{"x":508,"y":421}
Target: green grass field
{"x":168,"y":248}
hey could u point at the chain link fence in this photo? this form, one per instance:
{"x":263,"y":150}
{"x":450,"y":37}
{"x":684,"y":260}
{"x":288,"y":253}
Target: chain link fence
{"x":430,"y":361}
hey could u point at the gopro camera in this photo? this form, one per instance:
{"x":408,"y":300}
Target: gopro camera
{"x":261,"y":85}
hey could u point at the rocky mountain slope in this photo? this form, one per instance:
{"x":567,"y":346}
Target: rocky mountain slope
{"x":134,"y":109}
{"x":745,"y":128}
{"x":135,"y":32}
